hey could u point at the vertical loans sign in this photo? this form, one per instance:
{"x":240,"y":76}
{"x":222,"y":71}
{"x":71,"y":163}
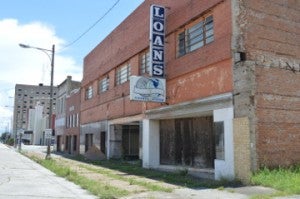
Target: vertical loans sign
{"x":157,"y":40}
{"x":153,"y":89}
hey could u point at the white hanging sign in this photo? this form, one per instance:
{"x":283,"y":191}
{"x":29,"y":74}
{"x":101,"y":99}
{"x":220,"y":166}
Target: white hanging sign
{"x":149,"y":89}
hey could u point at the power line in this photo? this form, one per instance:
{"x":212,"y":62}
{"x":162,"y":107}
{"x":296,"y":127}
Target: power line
{"x":92,"y":26}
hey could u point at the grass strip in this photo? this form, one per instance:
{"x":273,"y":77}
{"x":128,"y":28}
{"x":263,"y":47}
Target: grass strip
{"x":286,"y":180}
{"x":179,"y":178}
{"x":95,"y":187}
{"x":149,"y":185}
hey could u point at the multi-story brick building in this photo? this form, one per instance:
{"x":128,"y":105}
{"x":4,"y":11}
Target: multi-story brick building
{"x":63,"y":90}
{"x":72,"y":132}
{"x":232,"y":97}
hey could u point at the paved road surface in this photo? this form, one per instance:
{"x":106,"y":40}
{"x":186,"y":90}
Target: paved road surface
{"x":21,"y":178}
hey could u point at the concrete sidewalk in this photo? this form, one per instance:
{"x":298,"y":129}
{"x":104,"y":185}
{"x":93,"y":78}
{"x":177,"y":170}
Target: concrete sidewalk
{"x":21,"y":178}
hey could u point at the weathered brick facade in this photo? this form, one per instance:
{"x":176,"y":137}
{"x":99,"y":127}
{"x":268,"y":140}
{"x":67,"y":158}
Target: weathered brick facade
{"x":266,"y":86}
{"x":248,"y":78}
{"x":72,"y":132}
{"x":202,"y":73}
{"x":64,"y":89}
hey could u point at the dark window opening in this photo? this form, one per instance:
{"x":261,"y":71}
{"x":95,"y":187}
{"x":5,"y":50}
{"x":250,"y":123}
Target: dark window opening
{"x":88,"y":141}
{"x":219,"y":139}
{"x":130,"y":141}
{"x":188,"y":142}
{"x":102,"y":142}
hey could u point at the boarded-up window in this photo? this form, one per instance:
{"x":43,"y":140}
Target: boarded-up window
{"x":188,"y":141}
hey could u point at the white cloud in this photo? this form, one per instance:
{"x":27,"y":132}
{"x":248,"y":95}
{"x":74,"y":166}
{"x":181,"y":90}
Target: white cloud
{"x":30,"y":66}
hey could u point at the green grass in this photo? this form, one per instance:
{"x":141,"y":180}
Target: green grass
{"x":97,"y":188}
{"x":177,"y":178}
{"x":287,"y":180}
{"x":108,"y":168}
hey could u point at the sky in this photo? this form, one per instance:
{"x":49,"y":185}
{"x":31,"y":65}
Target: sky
{"x":63,"y":23}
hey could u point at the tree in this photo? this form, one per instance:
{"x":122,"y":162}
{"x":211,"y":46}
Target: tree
{"x":6,"y":138}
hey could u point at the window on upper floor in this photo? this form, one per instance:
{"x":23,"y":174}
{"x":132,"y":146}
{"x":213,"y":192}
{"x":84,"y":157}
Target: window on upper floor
{"x":123,"y":73}
{"x":70,"y":121}
{"x":144,"y":62}
{"x":89,"y":92}
{"x":195,"y":36}
{"x":77,"y":120}
{"x":103,"y":84}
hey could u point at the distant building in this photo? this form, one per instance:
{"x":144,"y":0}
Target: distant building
{"x":26,"y":98}
{"x":63,"y":90}
{"x":38,"y":126}
{"x":72,"y":132}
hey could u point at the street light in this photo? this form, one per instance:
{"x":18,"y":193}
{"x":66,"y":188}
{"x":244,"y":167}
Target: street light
{"x":46,"y":51}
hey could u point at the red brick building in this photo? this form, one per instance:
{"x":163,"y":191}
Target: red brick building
{"x":232,"y":99}
{"x":72,"y":132}
{"x":64,"y":90}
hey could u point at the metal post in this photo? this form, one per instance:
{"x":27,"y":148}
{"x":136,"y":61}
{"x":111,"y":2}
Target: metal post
{"x":20,"y":141}
{"x":51,"y":99}
{"x":51,"y":87}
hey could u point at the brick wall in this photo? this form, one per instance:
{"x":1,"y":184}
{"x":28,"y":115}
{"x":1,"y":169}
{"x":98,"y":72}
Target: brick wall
{"x":278,"y":117}
{"x":73,"y":108}
{"x":132,"y":35}
{"x":201,"y":73}
{"x":266,"y":85}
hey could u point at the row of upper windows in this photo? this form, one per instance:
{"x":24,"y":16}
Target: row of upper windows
{"x":192,"y":37}
{"x":46,"y":92}
{"x":72,"y":121}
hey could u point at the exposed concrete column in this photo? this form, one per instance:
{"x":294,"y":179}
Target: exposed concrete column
{"x":108,"y":144}
{"x":115,"y":141}
{"x":151,"y":149}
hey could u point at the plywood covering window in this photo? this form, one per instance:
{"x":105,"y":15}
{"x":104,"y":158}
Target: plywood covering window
{"x":123,"y":73}
{"x":188,"y":142}
{"x":195,"y":35}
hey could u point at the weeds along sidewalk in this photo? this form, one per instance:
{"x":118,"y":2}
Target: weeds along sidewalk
{"x":100,"y":181}
{"x":116,"y":179}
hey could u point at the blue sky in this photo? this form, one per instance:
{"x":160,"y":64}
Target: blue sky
{"x":42,"y":23}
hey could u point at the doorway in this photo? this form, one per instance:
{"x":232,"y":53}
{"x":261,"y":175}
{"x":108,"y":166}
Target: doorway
{"x":102,"y":142}
{"x":88,"y":141}
{"x":130,"y":141}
